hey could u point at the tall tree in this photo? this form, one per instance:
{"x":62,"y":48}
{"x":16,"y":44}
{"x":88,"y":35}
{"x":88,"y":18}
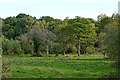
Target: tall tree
{"x":103,"y":20}
{"x":108,"y":40}
{"x":15,"y":26}
{"x":83,"y":31}
{"x":64,"y":37}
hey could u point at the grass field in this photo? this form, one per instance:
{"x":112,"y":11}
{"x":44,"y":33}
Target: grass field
{"x":85,"y":66}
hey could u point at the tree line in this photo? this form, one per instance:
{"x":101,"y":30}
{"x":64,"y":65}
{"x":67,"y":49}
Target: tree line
{"x":24,"y":34}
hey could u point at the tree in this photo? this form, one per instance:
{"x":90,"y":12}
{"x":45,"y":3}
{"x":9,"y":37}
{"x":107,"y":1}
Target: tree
{"x":46,"y":19}
{"x":7,"y":27}
{"x":42,"y":24}
{"x":64,"y":35}
{"x":54,"y":23}
{"x":11,"y":46}
{"x":49,"y":37}
{"x":83,"y":31}
{"x":15,"y":26}
{"x":92,"y":20}
{"x":26,"y":44}
{"x":103,"y":20}
{"x":109,"y":43}
{"x":7,"y":46}
{"x":38,"y":36}
{"x":108,"y":39}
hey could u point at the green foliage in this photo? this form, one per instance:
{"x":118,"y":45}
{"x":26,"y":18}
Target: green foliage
{"x":64,"y":37}
{"x":83,"y":31}
{"x":54,"y":23}
{"x":46,"y":18}
{"x":42,"y":24}
{"x":31,"y":36}
{"x":92,"y":20}
{"x":90,"y":49}
{"x":40,"y":37}
{"x":80,"y":32}
{"x":22,"y":15}
{"x":41,"y":49}
{"x":71,"y":49}
{"x":7,"y":45}
{"x":11,"y":46}
{"x":16,"y":47}
{"x":15,"y":26}
{"x":108,"y":40}
{"x":56,"y":48}
{"x":26,"y":45}
{"x":103,"y":20}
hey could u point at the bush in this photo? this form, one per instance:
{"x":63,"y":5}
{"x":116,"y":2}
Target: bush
{"x":56,"y":48}
{"x":108,"y":40}
{"x":27,"y":48}
{"x":90,"y":49}
{"x":7,"y":46}
{"x":71,"y":49}
{"x":41,"y":49}
{"x":26,"y":45}
{"x":11,"y":46}
{"x":16,"y":46}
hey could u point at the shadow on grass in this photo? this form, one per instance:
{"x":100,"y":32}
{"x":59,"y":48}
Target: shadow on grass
{"x":91,"y":59}
{"x":82,"y":59}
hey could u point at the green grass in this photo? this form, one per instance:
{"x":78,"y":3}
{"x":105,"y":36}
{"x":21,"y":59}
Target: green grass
{"x":85,"y":66}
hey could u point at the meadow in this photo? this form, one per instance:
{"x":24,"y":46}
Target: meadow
{"x":69,"y":66}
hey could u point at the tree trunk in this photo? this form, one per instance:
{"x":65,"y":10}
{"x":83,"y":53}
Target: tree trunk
{"x":79,"y":49}
{"x":36,"y":45}
{"x":64,"y":52}
{"x":104,"y":54}
{"x":47,"y":50}
{"x":35,"y":50}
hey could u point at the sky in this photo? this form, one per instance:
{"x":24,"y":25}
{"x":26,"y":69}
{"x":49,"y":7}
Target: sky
{"x":58,"y":8}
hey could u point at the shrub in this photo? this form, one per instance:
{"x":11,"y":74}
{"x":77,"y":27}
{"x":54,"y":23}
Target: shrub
{"x":26,"y":45}
{"x":27,"y":48}
{"x":108,"y":40}
{"x":90,"y":49}
{"x":71,"y":49}
{"x":11,"y":46}
{"x":56,"y":48}
{"x":7,"y":45}
{"x":41,"y":49}
{"x":16,"y":46}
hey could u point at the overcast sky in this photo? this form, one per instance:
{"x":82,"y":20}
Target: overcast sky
{"x":58,"y":8}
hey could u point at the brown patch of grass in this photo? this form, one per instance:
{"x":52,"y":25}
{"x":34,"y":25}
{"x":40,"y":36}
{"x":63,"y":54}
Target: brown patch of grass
{"x":67,"y":56}
{"x":75,"y":56}
{"x":49,"y":56}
